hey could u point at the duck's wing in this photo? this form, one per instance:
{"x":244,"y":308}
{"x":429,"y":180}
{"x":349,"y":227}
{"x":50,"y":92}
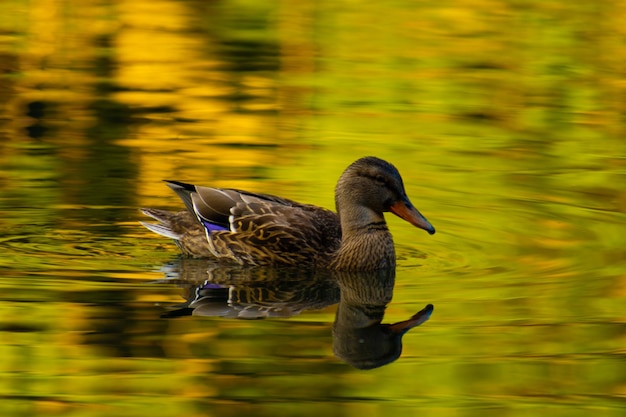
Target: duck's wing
{"x":210,"y":205}
{"x":261,"y":229}
{"x":273,"y":234}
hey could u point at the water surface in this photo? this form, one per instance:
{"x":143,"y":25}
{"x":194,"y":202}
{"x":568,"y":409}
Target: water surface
{"x":505,"y":120}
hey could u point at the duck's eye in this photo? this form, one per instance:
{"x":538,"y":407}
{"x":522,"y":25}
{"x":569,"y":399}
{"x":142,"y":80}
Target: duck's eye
{"x":380,"y":180}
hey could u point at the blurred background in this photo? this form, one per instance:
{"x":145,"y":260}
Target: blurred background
{"x":505,"y":118}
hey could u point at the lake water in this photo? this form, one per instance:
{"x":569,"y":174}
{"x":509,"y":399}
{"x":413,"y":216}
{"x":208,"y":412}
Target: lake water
{"x":506,"y":120}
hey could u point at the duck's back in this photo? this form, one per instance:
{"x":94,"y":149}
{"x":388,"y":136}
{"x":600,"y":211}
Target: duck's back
{"x":248,"y":228}
{"x":270,"y":232}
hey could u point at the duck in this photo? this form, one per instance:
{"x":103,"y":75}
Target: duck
{"x":252,"y":229}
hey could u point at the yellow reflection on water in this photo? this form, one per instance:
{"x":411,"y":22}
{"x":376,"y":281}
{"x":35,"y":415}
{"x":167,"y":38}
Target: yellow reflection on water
{"x":505,"y":120}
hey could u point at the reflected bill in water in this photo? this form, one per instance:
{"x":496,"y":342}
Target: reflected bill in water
{"x":359,"y":336}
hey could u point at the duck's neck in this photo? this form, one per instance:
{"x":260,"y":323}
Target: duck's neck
{"x":357,"y":219}
{"x":366,"y":243}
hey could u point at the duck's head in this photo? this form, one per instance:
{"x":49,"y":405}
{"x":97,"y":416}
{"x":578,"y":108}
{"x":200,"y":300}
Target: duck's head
{"x":371,"y":186}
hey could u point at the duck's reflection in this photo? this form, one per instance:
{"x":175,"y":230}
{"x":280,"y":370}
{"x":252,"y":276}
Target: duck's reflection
{"x":359,"y":336}
{"x":249,"y":293}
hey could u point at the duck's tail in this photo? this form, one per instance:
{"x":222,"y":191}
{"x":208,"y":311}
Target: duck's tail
{"x":166,"y":226}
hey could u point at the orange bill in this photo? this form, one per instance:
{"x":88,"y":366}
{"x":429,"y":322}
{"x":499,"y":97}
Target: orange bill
{"x":405,"y":210}
{"x":417,"y":319}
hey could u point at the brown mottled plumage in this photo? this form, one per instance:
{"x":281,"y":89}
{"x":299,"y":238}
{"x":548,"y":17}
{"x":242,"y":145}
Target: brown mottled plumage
{"x":261,"y":229}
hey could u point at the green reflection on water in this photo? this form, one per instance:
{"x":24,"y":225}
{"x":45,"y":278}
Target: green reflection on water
{"x":504,"y":119}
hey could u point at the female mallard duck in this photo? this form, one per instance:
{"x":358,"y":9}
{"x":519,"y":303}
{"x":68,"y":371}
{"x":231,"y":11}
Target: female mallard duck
{"x":261,"y":229}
